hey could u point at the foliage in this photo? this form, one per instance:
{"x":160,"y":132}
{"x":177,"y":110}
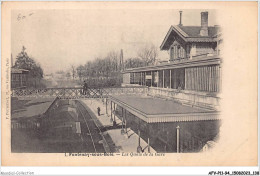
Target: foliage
{"x":60,"y":72}
{"x":106,"y":71}
{"x":23,"y":61}
{"x":68,"y":75}
{"x":134,"y":63}
{"x":80,"y":71}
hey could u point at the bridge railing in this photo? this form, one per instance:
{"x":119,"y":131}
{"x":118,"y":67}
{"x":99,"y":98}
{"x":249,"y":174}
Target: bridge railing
{"x":74,"y":93}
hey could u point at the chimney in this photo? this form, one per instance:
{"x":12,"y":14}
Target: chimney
{"x":180,"y":24}
{"x":204,"y":24}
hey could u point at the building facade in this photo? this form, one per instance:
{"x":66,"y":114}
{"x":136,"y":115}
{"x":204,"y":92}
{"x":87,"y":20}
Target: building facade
{"x":19,"y":78}
{"x":190,"y":79}
{"x":193,"y":71}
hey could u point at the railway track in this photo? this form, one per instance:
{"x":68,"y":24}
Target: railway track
{"x":91,"y":133}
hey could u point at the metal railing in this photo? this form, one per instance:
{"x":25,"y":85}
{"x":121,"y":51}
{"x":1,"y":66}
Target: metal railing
{"x":75,"y":93}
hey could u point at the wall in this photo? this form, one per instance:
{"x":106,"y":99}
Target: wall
{"x":204,"y":48}
{"x":205,"y":78}
{"x":126,"y":78}
{"x":162,"y":136}
{"x":195,"y":98}
{"x":18,"y":80}
{"x":192,"y":135}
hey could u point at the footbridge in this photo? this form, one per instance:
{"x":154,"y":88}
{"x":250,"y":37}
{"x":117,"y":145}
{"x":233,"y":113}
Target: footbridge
{"x":76,"y":93}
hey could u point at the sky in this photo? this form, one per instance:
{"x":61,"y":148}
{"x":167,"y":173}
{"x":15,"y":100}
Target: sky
{"x":57,"y":39}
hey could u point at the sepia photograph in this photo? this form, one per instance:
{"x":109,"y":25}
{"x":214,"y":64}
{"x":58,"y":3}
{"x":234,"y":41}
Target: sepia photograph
{"x":135,"y":95}
{"x":122,"y":81}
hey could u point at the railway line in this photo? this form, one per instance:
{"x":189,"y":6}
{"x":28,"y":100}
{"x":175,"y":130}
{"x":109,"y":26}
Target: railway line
{"x":91,"y":135}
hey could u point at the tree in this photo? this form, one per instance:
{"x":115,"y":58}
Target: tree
{"x":23,"y":61}
{"x":68,"y":75}
{"x":113,"y":57}
{"x":148,"y":54}
{"x":60,"y":72}
{"x":102,"y":71}
{"x":73,"y":70}
{"x":133,"y":63}
{"x":80,"y":70}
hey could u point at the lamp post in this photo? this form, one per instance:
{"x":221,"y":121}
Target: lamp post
{"x":139,"y":148}
{"x":122,"y":130}
{"x":148,"y":146}
{"x":178,"y":136}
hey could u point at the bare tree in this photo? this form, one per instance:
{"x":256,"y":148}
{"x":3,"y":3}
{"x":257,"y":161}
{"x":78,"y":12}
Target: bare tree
{"x":148,"y":54}
{"x":73,"y":70}
{"x":133,"y":63}
{"x":113,"y":56}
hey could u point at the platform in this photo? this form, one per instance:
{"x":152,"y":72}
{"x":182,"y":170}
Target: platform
{"x":122,"y":143}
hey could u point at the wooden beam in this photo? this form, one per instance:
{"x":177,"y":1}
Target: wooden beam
{"x":141,"y":78}
{"x":151,"y":79}
{"x":163,"y":79}
{"x":144,"y":78}
{"x":111,"y":119}
{"x":170,"y":78}
{"x":114,"y":111}
{"x":158,"y":79}
{"x":210,"y":79}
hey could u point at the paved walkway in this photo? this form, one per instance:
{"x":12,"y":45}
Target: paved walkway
{"x":122,"y":142}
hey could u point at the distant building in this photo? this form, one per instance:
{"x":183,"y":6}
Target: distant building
{"x":48,"y":76}
{"x":19,"y":78}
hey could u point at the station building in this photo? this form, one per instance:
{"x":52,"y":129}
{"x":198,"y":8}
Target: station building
{"x":19,"y":78}
{"x":194,"y":67}
{"x":180,"y":110}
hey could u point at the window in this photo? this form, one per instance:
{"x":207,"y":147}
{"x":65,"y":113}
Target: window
{"x":176,"y":52}
{"x":172,"y":53}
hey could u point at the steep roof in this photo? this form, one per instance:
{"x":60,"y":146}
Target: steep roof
{"x":194,"y":31}
{"x":189,"y":34}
